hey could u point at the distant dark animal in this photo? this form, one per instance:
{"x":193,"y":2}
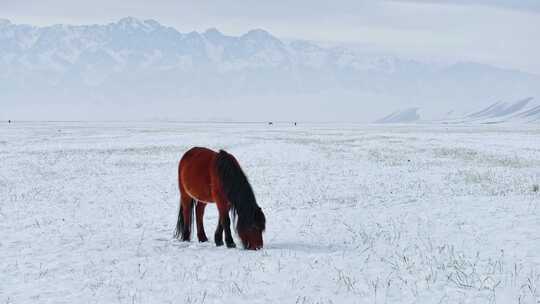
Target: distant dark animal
{"x":9,"y":121}
{"x":205,"y":176}
{"x":295,"y":123}
{"x":270,"y":123}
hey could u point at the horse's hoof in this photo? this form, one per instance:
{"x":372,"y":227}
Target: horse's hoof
{"x":231,"y":245}
{"x":186,"y":237}
{"x":219,"y":243}
{"x":203,"y":239}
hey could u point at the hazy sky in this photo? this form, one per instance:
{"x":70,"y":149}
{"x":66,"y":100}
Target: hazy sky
{"x":500,"y":32}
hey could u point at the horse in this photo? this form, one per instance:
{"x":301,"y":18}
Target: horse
{"x":206,"y":176}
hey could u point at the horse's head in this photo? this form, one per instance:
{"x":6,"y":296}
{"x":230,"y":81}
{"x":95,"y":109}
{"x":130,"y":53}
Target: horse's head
{"x":236,"y":188}
{"x":251,"y":235}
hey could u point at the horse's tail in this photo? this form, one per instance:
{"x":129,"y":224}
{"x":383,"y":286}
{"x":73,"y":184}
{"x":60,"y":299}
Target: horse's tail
{"x":237,"y":190}
{"x":180,"y":222}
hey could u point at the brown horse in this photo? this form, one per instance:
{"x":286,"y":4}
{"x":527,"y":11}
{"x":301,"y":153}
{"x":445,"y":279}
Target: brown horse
{"x":205,"y":176}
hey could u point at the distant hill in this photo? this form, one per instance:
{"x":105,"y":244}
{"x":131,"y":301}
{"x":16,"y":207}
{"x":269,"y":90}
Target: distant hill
{"x":525,"y":110}
{"x":402,"y":116}
{"x":521,"y":111}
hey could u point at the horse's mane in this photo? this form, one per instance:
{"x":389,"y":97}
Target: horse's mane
{"x":238,"y":191}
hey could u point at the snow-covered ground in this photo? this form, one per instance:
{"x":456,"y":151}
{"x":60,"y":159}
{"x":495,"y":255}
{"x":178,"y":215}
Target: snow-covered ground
{"x":355,"y":214}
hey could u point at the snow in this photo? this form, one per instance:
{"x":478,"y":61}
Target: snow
{"x":355,"y":214}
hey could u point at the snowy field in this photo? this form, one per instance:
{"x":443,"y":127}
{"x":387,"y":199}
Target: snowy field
{"x":355,"y":214}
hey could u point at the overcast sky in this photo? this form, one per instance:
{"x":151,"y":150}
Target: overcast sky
{"x":500,"y":32}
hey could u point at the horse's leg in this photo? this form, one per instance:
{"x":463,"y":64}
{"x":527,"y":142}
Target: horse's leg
{"x":225,"y":221}
{"x":187,"y":213}
{"x":199,"y":211}
{"x":218,"y":235}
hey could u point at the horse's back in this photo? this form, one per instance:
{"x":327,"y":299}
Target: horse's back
{"x":195,"y":151}
{"x":195,"y":172}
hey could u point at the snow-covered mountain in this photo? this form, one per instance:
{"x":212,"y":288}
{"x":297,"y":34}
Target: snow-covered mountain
{"x":525,"y":110}
{"x":144,"y":64}
{"x":408,"y":115}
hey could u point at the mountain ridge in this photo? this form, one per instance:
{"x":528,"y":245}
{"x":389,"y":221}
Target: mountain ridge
{"x":133,"y":60}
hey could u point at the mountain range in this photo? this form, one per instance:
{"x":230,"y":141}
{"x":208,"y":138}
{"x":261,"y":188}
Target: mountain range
{"x":136,"y":68}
